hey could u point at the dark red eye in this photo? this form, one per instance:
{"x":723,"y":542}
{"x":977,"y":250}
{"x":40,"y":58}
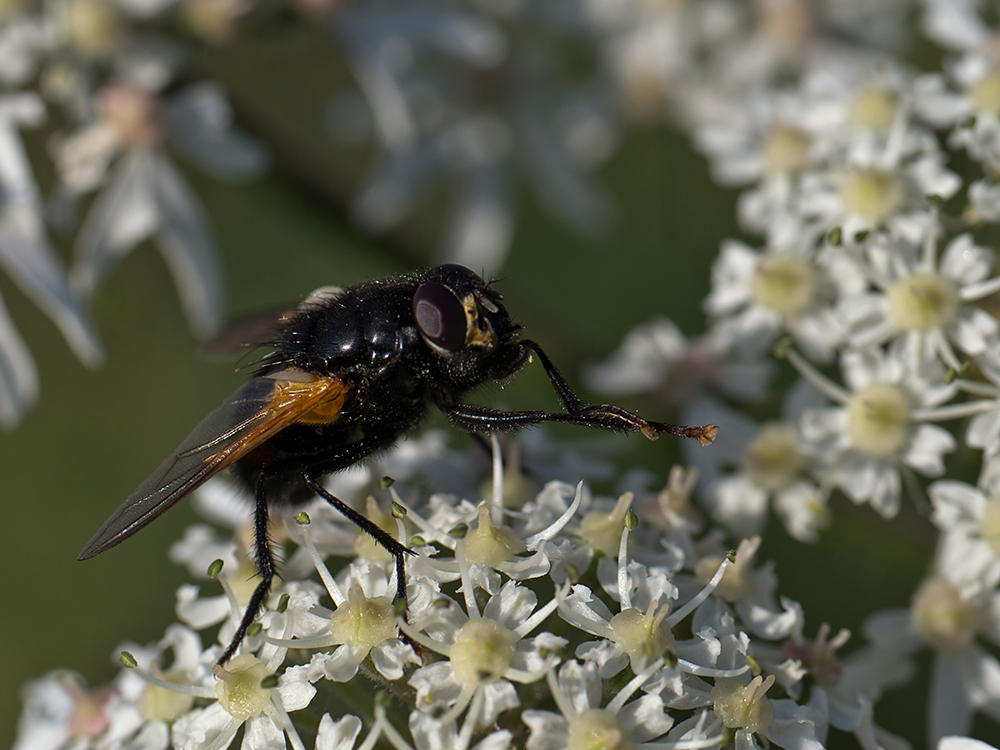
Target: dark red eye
{"x":440,"y":316}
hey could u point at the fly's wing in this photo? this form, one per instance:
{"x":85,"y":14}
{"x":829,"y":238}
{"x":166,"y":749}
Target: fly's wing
{"x":258,"y":328}
{"x":239,"y":336}
{"x":253,"y":414}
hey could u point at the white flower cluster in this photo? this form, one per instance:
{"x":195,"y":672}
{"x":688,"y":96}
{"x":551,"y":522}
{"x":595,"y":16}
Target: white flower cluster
{"x":876,"y":260}
{"x":537,"y":619}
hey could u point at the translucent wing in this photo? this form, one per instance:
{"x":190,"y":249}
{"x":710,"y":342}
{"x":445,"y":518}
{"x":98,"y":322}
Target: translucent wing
{"x":260,"y":327}
{"x":239,"y":336}
{"x":253,"y":414}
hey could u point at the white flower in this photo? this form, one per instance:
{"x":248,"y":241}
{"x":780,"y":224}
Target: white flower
{"x":362,"y":624}
{"x":886,"y":186}
{"x":581,"y":718}
{"x":842,"y":110}
{"x":757,"y":296}
{"x":249,"y":695}
{"x":641,"y":632}
{"x":656,"y":358}
{"x":144,"y":195}
{"x":927,"y":301}
{"x":973,"y":110}
{"x":946,"y":615}
{"x":430,"y":126}
{"x":745,"y":708}
{"x":762,"y":463}
{"x":881,"y":427}
{"x":969,"y":520}
{"x":60,"y":711}
{"x":770,"y":144}
{"x":26,"y":255}
{"x":745,"y":595}
{"x":835,"y":700}
{"x":484,"y":652}
{"x":199,"y":612}
{"x":772,"y":468}
{"x":672,"y":510}
{"x":155,"y":703}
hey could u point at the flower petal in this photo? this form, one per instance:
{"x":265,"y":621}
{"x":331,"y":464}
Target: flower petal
{"x":189,"y":249}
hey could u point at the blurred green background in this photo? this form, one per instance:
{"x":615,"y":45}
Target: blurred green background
{"x":96,"y":434}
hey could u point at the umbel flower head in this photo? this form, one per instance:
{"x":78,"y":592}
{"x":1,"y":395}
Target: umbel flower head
{"x":475,"y":662}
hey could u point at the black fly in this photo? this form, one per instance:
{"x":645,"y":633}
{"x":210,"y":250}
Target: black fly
{"x":348,"y":374}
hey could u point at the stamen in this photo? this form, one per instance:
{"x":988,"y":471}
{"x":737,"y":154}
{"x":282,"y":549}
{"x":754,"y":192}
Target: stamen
{"x":276,"y":712}
{"x":536,"y":619}
{"x":980,"y":289}
{"x":877,"y":335}
{"x":623,"y":588}
{"x":235,"y":610}
{"x":953,"y":411}
{"x":427,"y":530}
{"x":701,"y":596}
{"x":278,"y":656}
{"x":198,"y":691}
{"x":415,"y":635}
{"x":939,"y":342}
{"x":324,"y":573}
{"x":616,"y":703}
{"x":471,"y":720}
{"x":822,"y":383}
{"x":468,"y":590}
{"x":700,"y":671}
{"x":316,"y":641}
{"x":496,"y":509}
{"x":977,"y":389}
{"x":525,"y":677}
{"x":469,"y":691}
{"x":400,"y":520}
{"x":563,"y":703}
{"x":556,"y":526}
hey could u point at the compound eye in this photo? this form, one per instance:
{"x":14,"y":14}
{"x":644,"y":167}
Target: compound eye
{"x":440,"y":316}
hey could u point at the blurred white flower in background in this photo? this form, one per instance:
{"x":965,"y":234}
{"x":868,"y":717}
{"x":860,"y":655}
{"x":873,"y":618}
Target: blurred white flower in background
{"x":26,"y":255}
{"x":455,"y":94}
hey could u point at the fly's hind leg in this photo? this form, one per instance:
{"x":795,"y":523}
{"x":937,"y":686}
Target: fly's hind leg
{"x":265,"y":565}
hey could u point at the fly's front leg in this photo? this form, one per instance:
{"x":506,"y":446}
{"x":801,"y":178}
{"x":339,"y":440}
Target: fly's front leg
{"x":571,"y":402}
{"x":483,"y":419}
{"x":604,"y":416}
